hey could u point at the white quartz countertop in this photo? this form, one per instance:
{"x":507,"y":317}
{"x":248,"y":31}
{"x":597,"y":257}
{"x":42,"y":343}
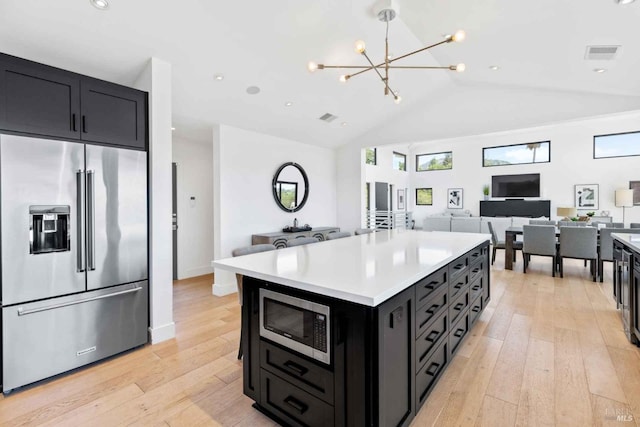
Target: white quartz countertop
{"x":366,"y":269}
{"x":630,"y":240}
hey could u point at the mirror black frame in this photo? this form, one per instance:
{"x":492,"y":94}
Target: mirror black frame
{"x":274,"y":185}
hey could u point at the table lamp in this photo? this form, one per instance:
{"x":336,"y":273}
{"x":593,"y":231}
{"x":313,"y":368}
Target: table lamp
{"x":624,"y":199}
{"x":567,"y":213}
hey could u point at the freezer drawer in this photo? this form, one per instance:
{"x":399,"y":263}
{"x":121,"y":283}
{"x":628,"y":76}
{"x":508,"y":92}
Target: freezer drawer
{"x":50,"y":337}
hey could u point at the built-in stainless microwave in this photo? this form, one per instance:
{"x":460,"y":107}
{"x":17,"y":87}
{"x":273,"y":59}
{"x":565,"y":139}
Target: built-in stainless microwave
{"x":298,"y":324}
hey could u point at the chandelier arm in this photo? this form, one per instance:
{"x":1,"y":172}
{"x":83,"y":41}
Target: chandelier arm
{"x":406,"y":67}
{"x":386,"y":83}
{"x":362,"y":67}
{"x":419,"y":50}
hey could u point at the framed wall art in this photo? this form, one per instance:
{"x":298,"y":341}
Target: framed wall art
{"x":454,"y":198}
{"x":587,"y":196}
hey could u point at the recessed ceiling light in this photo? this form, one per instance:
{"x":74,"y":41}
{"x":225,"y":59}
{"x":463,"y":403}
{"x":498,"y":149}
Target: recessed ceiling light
{"x":253,"y":90}
{"x":218,"y":77}
{"x":623,"y":2}
{"x":494,"y":67}
{"x":343,"y":124}
{"x":100,"y":4}
{"x":599,"y":70}
{"x":288,"y":104}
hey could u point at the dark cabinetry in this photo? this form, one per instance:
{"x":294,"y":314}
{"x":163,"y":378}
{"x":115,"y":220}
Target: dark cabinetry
{"x":45,"y":101}
{"x":385,"y":359}
{"x":526,"y":208}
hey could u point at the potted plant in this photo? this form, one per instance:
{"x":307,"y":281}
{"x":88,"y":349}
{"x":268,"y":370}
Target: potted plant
{"x":485,"y":191}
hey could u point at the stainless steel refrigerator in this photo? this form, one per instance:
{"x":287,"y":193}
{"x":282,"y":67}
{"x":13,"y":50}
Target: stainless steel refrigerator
{"x":74,"y":255}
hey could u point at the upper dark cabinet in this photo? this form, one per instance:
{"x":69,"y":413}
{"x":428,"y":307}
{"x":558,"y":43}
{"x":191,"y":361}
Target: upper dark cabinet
{"x":46,"y":101}
{"x":113,"y":114}
{"x":39,"y":100}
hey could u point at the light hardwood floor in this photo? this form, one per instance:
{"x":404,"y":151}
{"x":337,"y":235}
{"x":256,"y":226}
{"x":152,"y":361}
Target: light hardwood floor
{"x":545,"y":352}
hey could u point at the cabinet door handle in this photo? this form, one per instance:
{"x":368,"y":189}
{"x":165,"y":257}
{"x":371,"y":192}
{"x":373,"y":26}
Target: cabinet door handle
{"x":73,"y":122}
{"x":433,"y":369}
{"x":396,"y":317}
{"x":293,"y":366}
{"x":432,"y":336}
{"x":84,"y":124}
{"x":459,"y":333}
{"x":296,"y":404}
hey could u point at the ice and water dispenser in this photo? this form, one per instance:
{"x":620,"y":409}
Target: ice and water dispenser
{"x":49,"y":229}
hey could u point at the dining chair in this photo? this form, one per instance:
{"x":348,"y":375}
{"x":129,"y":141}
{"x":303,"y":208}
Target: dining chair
{"x":496,"y":243}
{"x":579,"y":243}
{"x":539,"y":240}
{"x":606,"y":248}
{"x":541,"y":222}
{"x":299,"y":241}
{"x":635,"y":225}
{"x":338,"y":235}
{"x":247,"y":250}
{"x":615,"y":225}
{"x":360,"y":231}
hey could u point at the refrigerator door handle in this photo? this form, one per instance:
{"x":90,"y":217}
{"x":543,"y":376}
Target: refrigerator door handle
{"x":91,"y":223}
{"x":22,"y":312}
{"x":80,"y":221}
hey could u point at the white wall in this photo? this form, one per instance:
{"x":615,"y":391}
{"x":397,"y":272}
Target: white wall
{"x":156,"y":79}
{"x":383,"y":171}
{"x":243,"y":200}
{"x":195,"y":226}
{"x":571,"y":163}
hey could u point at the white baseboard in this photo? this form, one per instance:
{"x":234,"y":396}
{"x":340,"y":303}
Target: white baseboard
{"x":223,"y":289}
{"x":194,"y":272}
{"x":163,"y":333}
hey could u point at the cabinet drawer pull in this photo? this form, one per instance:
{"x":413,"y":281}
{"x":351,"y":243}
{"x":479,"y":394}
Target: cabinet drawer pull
{"x":293,"y":366}
{"x":458,"y":333}
{"x":296,"y":404}
{"x":433,"y":369}
{"x":475,"y":270}
{"x":432,"y":336}
{"x":431,"y":285}
{"x":458,"y":306}
{"x":430,"y":312}
{"x":459,"y":266}
{"x":459,"y":285}
{"x":476,"y":309}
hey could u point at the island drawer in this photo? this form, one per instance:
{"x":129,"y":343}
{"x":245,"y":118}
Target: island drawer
{"x":458,"y":307}
{"x":300,"y":372}
{"x":476,"y":288}
{"x":477,"y":254}
{"x":429,"y":374}
{"x":430,"y":311}
{"x":458,"y":332}
{"x":475,"y":310}
{"x":457,"y":285}
{"x":476,"y":270}
{"x":291,"y":404}
{"x":459,"y":266}
{"x":430,"y":339}
{"x":429,"y":285}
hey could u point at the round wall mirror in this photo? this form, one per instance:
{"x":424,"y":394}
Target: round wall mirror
{"x":290,"y":187}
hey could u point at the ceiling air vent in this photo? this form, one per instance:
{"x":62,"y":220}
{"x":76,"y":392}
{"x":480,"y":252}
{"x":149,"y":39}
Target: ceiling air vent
{"x":601,"y":53}
{"x":328,"y":117}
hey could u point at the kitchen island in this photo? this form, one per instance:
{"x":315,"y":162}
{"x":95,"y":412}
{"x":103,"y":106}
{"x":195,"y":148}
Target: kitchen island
{"x":398,"y":304}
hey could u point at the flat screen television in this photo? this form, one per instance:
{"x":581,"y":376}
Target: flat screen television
{"x":523,"y":185}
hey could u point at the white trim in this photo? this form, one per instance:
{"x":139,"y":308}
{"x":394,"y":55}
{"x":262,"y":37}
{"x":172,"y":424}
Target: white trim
{"x":194,"y":272}
{"x":162,"y":333}
{"x":223,"y":289}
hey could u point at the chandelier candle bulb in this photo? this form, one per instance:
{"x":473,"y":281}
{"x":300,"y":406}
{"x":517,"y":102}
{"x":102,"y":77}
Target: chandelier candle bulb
{"x":397,"y":99}
{"x":459,"y":36}
{"x":360,"y":46}
{"x":460,"y":68}
{"x":312,"y":66}
{"x":344,"y":78}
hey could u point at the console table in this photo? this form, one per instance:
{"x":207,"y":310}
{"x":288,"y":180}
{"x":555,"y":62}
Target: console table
{"x":279,"y":239}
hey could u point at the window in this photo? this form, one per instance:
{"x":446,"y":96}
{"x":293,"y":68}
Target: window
{"x":616,"y":145}
{"x":399,"y":161}
{"x":367,"y":188}
{"x":370,"y":156}
{"x":424,"y":196}
{"x":434,"y":161}
{"x":287,"y":193}
{"x":518,"y":154}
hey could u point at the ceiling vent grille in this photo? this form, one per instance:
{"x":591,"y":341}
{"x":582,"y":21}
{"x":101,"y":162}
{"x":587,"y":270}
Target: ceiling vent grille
{"x":328,"y":117}
{"x":602,"y":53}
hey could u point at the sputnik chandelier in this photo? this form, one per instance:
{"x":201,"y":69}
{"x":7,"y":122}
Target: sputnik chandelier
{"x":386,"y":12}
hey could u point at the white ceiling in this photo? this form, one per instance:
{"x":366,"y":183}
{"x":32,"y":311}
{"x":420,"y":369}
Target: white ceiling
{"x":539,"y":46}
